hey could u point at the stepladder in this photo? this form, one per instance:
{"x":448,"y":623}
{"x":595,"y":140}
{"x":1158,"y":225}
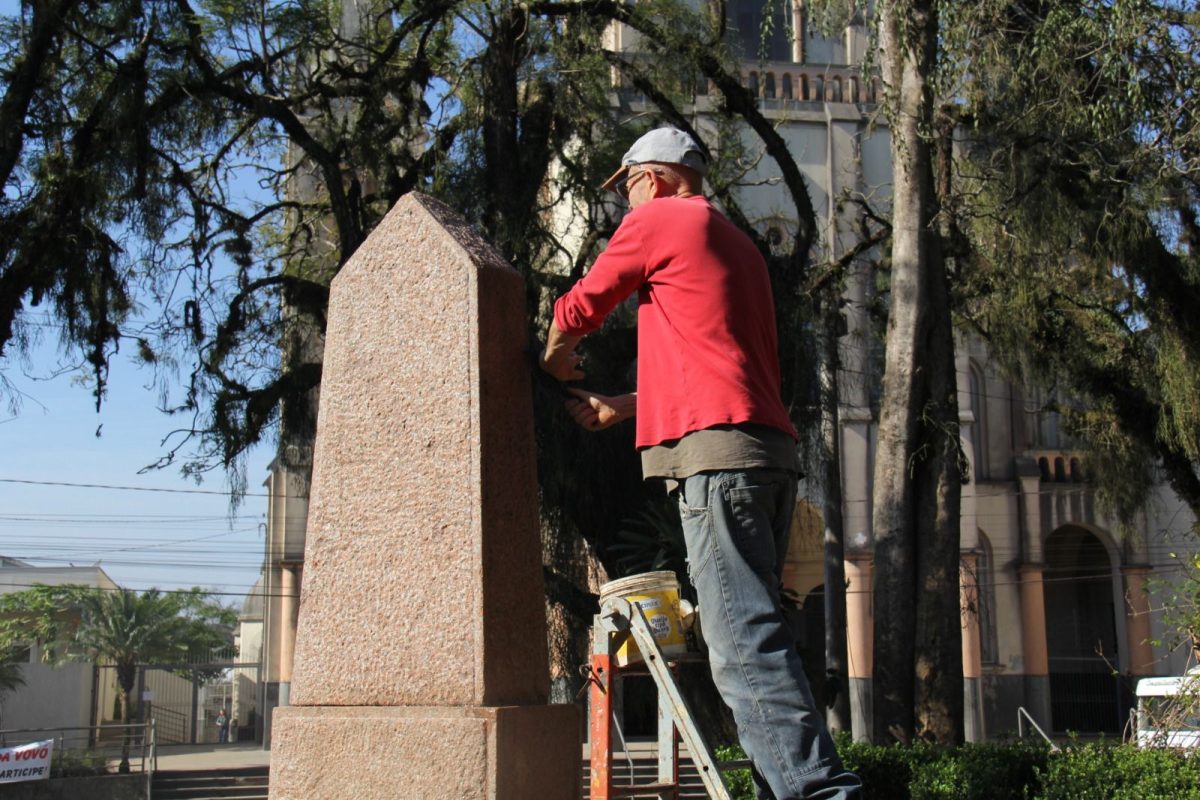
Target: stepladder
{"x":618,"y":621}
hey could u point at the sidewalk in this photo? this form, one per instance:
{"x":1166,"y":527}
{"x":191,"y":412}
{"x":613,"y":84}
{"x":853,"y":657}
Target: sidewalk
{"x":211,"y":756}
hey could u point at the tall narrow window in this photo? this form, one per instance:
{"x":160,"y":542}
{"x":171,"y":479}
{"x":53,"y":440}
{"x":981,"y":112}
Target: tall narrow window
{"x":985,"y":565}
{"x":979,"y":426}
{"x":761,"y":30}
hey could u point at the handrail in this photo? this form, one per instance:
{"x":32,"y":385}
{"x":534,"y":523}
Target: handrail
{"x":87,"y":739}
{"x":1021,"y":712}
{"x":151,"y":762}
{"x":175,"y":724}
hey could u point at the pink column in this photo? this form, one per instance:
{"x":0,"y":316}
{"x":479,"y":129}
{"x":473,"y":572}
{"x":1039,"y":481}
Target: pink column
{"x":1033,"y":620}
{"x":860,"y":628}
{"x":289,"y":601}
{"x":1137,"y":620}
{"x":972,"y":656}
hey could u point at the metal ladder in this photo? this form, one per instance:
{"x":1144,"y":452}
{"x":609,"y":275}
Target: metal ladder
{"x":617,"y":621}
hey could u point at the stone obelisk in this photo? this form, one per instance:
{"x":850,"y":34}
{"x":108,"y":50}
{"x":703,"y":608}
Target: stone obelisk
{"x":421,"y":661}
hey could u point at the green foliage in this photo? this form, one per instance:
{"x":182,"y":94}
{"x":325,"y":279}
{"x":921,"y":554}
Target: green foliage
{"x":12,"y":677}
{"x":1078,"y":184}
{"x":79,"y":764}
{"x":928,"y":772}
{"x":121,"y":627}
{"x":118,"y":627}
{"x":651,"y":540}
{"x":1008,"y":771}
{"x":738,"y":781}
{"x":1099,"y":772}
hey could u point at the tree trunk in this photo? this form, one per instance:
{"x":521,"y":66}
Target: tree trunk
{"x":123,"y":699}
{"x":908,"y":475}
{"x":837,"y":673}
{"x":939,"y":679}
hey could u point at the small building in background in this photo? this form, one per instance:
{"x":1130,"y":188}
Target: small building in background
{"x":67,"y":696}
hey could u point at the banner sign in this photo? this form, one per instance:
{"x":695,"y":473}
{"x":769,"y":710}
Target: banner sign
{"x":28,"y":762}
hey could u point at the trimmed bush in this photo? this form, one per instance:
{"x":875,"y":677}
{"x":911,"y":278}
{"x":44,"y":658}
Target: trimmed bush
{"x":1122,"y":772}
{"x":1008,"y":771}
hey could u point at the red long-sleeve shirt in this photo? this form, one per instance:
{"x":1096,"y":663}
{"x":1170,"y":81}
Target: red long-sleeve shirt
{"x":707,"y":346}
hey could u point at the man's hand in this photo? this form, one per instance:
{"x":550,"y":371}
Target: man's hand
{"x":559,"y":359}
{"x":596,"y":412}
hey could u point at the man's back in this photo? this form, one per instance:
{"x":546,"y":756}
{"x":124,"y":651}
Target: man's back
{"x":706,"y":324}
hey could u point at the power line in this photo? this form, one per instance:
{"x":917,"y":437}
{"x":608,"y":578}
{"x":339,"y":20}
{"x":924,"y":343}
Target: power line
{"x":133,"y":488}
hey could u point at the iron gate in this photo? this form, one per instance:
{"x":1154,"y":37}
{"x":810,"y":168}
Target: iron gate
{"x":185,"y":699}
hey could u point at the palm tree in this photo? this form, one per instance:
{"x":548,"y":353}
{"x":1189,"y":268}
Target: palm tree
{"x":12,"y":677}
{"x":119,"y":627}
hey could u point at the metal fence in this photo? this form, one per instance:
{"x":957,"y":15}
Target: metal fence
{"x":186,"y":698}
{"x":1087,"y":696}
{"x":93,"y":749}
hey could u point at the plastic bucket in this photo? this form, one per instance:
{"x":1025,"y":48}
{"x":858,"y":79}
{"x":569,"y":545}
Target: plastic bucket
{"x":657,"y":594}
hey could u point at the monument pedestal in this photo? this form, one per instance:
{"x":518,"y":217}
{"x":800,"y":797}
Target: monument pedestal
{"x":421,"y":666}
{"x":425,"y":753}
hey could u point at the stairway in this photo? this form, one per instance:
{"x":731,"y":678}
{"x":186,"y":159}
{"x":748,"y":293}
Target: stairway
{"x":240,"y":783}
{"x":644,"y":758}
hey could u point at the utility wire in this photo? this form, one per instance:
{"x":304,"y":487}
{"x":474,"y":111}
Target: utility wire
{"x":132,"y":488}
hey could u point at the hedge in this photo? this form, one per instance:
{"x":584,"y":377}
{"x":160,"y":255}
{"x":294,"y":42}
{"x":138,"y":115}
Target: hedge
{"x":1010,"y":771}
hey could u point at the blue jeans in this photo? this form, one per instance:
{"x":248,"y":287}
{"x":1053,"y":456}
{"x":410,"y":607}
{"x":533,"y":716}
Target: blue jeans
{"x":736,"y":527}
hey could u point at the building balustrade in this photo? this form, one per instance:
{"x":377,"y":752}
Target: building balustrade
{"x":1060,"y":466}
{"x":776,"y":82}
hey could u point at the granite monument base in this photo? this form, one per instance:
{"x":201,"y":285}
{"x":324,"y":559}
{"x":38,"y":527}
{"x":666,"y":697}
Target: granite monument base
{"x":426,"y":753}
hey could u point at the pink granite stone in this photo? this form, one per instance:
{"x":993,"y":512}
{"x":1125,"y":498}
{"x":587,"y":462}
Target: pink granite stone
{"x":429,"y":753}
{"x":422,"y":577}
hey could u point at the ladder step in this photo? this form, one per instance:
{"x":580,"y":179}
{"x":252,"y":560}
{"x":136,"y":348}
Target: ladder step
{"x":644,"y":788}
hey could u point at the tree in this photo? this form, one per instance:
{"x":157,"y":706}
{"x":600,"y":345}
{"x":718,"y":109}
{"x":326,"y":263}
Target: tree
{"x":1046,"y":164}
{"x":120,"y":627}
{"x":12,"y":677}
{"x":221,"y":161}
{"x":918,"y":668}
{"x":1080,"y":181}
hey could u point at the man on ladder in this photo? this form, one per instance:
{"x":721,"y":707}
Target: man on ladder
{"x":711,"y":422}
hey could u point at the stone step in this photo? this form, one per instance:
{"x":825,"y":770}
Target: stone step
{"x":245,"y":783}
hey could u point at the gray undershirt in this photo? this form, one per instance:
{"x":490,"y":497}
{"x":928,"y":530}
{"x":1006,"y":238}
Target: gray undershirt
{"x":721,"y":447}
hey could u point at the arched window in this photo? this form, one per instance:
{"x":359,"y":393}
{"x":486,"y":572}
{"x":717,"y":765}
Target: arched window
{"x":785,"y":86}
{"x":804,"y":95}
{"x":837,"y":90}
{"x":1076,"y":471}
{"x":769,"y":86}
{"x":1082,"y":604}
{"x":853,"y":85}
{"x":753,"y":85}
{"x":1060,"y":470}
{"x":746,"y":30}
{"x":819,"y":89}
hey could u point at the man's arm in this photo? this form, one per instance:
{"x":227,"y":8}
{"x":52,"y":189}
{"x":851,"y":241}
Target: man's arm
{"x":597,"y":411}
{"x":559,"y":359}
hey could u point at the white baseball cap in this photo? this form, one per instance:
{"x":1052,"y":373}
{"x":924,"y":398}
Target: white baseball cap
{"x":662,"y":145}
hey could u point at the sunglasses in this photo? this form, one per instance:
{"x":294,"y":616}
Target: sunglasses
{"x":625,"y":184}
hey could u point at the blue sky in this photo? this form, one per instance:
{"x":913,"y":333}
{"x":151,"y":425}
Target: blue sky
{"x":161,"y":530}
{"x":142,"y":536}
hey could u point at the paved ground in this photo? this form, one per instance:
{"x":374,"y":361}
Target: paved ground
{"x":212,"y":756}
